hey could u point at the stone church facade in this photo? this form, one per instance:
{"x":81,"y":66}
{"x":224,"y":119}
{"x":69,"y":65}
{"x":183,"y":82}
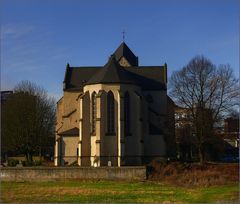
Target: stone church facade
{"x":118,"y":114}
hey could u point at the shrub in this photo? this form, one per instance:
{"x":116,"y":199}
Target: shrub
{"x":13,"y":162}
{"x":31,"y":163}
{"x":186,"y":174}
{"x":37,"y":163}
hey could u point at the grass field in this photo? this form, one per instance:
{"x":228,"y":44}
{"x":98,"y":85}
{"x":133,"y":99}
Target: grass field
{"x":113,"y":191}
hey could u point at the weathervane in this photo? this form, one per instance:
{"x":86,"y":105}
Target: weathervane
{"x":123,"y":35}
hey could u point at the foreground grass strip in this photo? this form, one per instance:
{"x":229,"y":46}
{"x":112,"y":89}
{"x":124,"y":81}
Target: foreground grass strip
{"x":112,"y":191}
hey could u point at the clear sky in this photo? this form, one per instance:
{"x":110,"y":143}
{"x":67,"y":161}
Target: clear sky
{"x":39,"y":37}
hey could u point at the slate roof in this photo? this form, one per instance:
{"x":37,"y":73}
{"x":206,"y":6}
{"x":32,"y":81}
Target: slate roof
{"x":151,"y":72}
{"x":147,"y":77}
{"x":112,"y":72}
{"x":76,"y":77}
{"x":124,"y":51}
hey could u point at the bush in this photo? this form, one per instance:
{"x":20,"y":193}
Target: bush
{"x":193,"y":174}
{"x":37,"y":163}
{"x":13,"y":162}
{"x":25,"y":163}
{"x":31,"y":163}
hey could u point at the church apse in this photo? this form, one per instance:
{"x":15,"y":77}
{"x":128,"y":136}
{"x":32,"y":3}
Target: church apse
{"x":120,"y":113}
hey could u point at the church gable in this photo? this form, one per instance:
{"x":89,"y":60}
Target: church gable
{"x":123,"y":62}
{"x":125,"y":56}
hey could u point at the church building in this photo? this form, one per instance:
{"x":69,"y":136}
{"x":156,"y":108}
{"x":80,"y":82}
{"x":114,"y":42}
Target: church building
{"x":118,"y":114}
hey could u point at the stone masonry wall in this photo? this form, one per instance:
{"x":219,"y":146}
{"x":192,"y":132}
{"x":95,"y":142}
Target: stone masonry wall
{"x":62,"y":173}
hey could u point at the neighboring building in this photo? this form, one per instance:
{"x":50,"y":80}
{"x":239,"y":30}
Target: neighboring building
{"x":5,"y":95}
{"x":231,"y":131}
{"x":218,"y":140}
{"x":185,"y":134}
{"x":117,"y":114}
{"x":182,"y":117}
{"x":185,"y":131}
{"x":184,"y":122}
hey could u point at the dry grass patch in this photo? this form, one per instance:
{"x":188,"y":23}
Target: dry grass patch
{"x":189,"y":175}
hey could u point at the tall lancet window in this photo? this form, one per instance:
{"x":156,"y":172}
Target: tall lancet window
{"x":110,"y":114}
{"x":93,"y":114}
{"x":127,"y":114}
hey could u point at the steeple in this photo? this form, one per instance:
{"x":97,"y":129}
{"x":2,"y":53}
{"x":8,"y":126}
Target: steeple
{"x":125,"y":56}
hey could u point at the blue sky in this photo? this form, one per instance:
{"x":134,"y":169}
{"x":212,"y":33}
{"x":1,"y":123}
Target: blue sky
{"x":38,"y":38}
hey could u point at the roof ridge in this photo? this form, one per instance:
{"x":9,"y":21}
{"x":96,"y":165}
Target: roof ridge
{"x":139,"y":67}
{"x":75,"y":67}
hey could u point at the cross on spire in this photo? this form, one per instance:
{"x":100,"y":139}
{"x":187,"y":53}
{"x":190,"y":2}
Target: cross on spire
{"x":123,"y":35}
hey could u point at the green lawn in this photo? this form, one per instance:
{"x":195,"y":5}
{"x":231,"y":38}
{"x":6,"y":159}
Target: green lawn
{"x":112,"y":191}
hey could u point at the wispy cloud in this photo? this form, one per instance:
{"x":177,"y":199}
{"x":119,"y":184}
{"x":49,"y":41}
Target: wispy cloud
{"x":15,"y":31}
{"x":29,"y":53}
{"x":27,"y":48}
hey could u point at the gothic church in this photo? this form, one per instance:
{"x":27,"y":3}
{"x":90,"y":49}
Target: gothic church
{"x":118,"y":114}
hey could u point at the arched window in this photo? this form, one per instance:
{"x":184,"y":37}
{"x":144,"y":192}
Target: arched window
{"x":127,"y":114}
{"x":110,"y":114}
{"x":94,"y":114}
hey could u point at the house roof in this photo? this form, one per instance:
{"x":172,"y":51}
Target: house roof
{"x":71,"y":132}
{"x":124,"y":51}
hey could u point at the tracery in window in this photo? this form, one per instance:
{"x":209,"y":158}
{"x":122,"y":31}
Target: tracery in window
{"x":127,"y":114}
{"x":94,"y":113}
{"x":110,"y":114}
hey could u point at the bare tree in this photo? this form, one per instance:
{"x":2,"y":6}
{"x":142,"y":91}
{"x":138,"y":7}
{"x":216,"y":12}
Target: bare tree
{"x":207,"y":91}
{"x":28,"y":120}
